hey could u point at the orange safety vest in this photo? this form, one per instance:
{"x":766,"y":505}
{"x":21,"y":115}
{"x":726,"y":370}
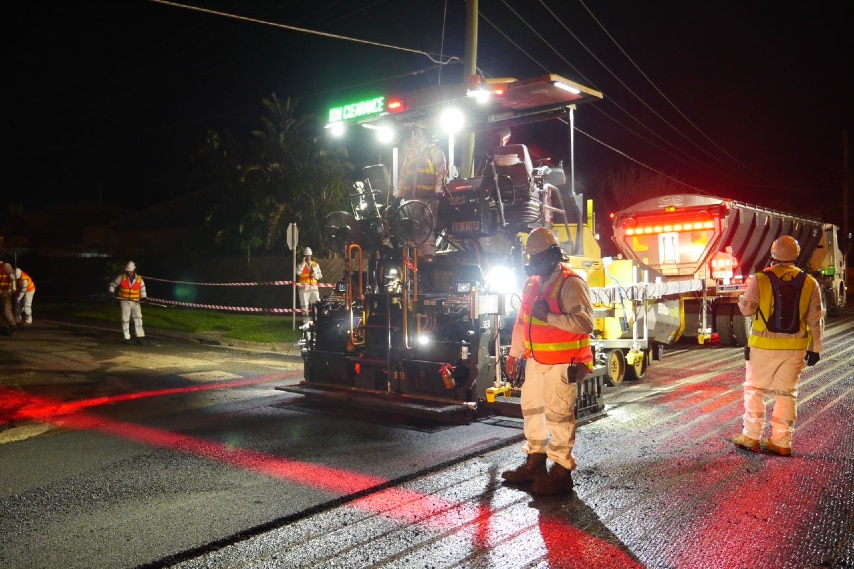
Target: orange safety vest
{"x":5,"y":278}
{"x":419,"y":173}
{"x":547,"y":344}
{"x":25,"y":278}
{"x":130,"y":290}
{"x":306,"y":276}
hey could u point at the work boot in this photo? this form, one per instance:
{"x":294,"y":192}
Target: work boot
{"x":535,"y":465}
{"x":745,"y":442}
{"x":557,"y":481}
{"x":776,"y":449}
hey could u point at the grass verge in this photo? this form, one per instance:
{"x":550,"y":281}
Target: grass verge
{"x":264,"y":328}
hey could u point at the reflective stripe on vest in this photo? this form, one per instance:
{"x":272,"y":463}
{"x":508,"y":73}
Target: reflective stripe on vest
{"x":306,"y":276}
{"x":420,"y":174}
{"x":547,"y":344}
{"x":5,"y":278}
{"x":130,"y":290}
{"x":760,"y":337}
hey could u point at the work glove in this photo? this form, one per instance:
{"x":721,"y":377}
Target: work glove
{"x":540,"y":310}
{"x":812,"y":358}
{"x":515,"y":371}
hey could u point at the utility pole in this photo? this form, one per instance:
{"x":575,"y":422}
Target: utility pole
{"x":469,"y":69}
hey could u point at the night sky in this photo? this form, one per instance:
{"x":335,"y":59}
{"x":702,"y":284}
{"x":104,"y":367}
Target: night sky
{"x":744,"y":99}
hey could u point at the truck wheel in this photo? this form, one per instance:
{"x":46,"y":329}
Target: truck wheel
{"x":637,"y":369}
{"x":825,"y":303}
{"x":740,"y":329}
{"x":616,"y":368}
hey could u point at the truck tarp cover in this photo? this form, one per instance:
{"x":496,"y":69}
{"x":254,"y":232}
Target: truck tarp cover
{"x":676,"y":235}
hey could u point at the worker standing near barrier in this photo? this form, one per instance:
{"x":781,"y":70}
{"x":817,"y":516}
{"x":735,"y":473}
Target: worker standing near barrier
{"x":309,"y":274}
{"x":785,"y":336}
{"x":129,"y":289}
{"x":26,"y":292}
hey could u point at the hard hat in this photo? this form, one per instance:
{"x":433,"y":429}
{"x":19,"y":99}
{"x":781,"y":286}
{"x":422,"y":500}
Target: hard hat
{"x":420,"y":124}
{"x":130,"y":267}
{"x":785,"y":249}
{"x":17,"y":273}
{"x":539,"y":240}
{"x":307,"y":252}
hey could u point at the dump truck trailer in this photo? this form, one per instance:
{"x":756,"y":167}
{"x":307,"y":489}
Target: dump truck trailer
{"x":697,"y":253}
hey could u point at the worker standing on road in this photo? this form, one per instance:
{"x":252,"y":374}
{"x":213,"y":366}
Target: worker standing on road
{"x":422,"y":176}
{"x":26,"y":292}
{"x":309,"y":274}
{"x":7,"y":290}
{"x":775,"y":360}
{"x":552,"y":336}
{"x":129,"y":289}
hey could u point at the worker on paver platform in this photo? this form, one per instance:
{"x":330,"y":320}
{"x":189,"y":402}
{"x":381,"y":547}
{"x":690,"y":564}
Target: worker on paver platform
{"x":784,"y":337}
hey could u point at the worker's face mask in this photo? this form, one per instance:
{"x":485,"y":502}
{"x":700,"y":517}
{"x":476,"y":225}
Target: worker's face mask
{"x":543,"y":264}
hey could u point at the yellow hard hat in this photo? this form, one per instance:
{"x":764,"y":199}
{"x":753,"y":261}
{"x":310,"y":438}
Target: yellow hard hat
{"x":785,"y":249}
{"x":539,"y":240}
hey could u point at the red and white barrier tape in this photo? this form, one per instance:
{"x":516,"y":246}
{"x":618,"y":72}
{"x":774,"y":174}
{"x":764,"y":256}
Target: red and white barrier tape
{"x":229,"y":308}
{"x":263,"y":283}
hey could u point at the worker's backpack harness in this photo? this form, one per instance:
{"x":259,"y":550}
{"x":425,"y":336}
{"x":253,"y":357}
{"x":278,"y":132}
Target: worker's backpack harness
{"x":786,"y":316}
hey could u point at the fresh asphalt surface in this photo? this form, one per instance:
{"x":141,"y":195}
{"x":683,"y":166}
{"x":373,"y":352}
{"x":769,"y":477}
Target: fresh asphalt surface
{"x":244,"y":475}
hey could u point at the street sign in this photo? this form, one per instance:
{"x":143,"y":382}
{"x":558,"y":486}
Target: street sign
{"x":293,"y":236}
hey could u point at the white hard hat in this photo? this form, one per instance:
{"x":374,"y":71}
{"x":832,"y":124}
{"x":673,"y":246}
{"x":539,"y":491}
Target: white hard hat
{"x":17,"y":273}
{"x":785,"y":249}
{"x":130,"y":267}
{"x":307,"y":252}
{"x":539,"y":240}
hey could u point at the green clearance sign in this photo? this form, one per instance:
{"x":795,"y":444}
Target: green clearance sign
{"x":357,"y":110}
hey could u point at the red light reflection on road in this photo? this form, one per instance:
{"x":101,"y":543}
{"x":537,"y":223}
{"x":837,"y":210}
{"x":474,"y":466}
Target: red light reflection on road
{"x":560,"y":538}
{"x":16,"y":406}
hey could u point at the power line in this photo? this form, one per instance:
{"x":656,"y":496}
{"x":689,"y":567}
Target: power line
{"x":428,"y":55}
{"x":663,"y":96}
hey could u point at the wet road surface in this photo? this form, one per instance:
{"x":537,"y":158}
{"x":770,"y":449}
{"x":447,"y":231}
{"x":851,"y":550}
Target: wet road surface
{"x":218,"y":473}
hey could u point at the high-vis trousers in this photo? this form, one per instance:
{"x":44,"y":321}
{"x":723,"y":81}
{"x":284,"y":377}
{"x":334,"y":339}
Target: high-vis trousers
{"x":772,"y":373}
{"x":131,"y":309}
{"x":548,"y":408}
{"x":25,"y":307}
{"x":309,"y":294}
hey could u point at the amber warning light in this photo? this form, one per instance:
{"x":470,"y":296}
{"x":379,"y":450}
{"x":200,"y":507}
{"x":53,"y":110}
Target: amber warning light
{"x":655,"y":228}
